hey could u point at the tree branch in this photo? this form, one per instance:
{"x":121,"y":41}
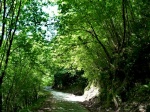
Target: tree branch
{"x":94,"y":34}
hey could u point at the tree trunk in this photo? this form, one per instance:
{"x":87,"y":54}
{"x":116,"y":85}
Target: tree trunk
{"x":1,"y":98}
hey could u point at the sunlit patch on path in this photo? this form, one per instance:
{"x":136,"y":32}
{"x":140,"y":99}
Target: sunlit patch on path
{"x":67,"y":96}
{"x":62,"y":102}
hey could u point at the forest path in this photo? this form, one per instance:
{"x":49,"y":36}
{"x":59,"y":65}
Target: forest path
{"x":63,"y":102}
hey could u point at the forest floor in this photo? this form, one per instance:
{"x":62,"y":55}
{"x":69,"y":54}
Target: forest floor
{"x":63,"y":102}
{"x":67,"y":102}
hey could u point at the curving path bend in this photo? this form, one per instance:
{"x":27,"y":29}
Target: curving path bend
{"x":63,"y":102}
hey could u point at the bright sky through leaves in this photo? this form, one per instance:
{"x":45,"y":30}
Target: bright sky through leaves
{"x":51,"y":30}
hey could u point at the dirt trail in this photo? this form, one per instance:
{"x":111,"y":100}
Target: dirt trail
{"x":67,"y":96}
{"x":63,"y":102}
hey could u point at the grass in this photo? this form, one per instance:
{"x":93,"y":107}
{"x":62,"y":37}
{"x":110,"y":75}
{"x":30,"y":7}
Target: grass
{"x":46,"y":103}
{"x":65,"y":106}
{"x":43,"y":95}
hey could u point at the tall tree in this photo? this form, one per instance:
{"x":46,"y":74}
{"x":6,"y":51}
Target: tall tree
{"x":20,"y":28}
{"x":107,"y":39}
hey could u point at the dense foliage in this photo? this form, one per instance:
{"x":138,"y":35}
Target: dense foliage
{"x":107,"y":41}
{"x":110,"y":41}
{"x":23,"y":63}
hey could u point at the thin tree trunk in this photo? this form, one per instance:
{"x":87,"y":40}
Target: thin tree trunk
{"x":1,"y":103}
{"x":10,"y":39}
{"x":4,"y":23}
